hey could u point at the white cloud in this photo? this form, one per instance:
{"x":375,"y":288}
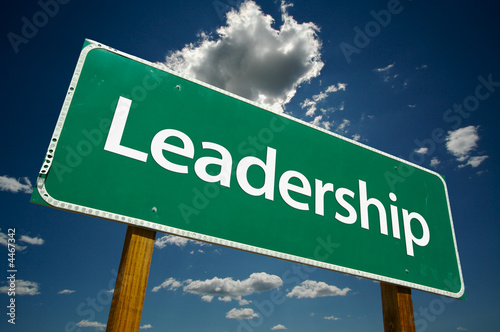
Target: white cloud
{"x":66,"y":291}
{"x":412,"y":105}
{"x":311,"y":105}
{"x":14,"y":185}
{"x":228,"y":288}
{"x":314,"y":289}
{"x":207,"y":298}
{"x":23,"y":287}
{"x":342,"y":128}
{"x":145,"y":327}
{"x":278,"y":327}
{"x":32,"y":240}
{"x":325,"y":124}
{"x":460,"y":328}
{"x":475,"y":161}
{"x":356,"y":137}
{"x":85,"y":323}
{"x":421,"y":67}
{"x":175,"y":240}
{"x":225,"y":289}
{"x":331,"y":318}
{"x":435,"y":161}
{"x":422,"y":150}
{"x":169,"y":284}
{"x":4,"y":240}
{"x":462,"y":142}
{"x":250,"y":58}
{"x":384,"y":69}
{"x":245,"y":313}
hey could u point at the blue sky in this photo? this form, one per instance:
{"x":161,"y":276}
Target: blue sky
{"x":422,"y":84}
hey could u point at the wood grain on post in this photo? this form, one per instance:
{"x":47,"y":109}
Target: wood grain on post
{"x":397,"y":307}
{"x":130,"y":288}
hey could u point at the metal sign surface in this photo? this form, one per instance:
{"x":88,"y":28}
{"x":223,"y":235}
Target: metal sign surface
{"x":139,"y":144}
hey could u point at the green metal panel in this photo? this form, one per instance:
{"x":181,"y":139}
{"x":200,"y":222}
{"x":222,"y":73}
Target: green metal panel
{"x":81,"y":176}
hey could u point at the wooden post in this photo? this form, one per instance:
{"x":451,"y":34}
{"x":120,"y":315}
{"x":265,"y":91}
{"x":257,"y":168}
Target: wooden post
{"x":397,"y":307}
{"x":130,"y":288}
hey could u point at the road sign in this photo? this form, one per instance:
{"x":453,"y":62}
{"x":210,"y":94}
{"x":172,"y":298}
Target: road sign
{"x":139,"y":144}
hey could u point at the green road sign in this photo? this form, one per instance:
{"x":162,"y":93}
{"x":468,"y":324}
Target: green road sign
{"x":139,"y":144}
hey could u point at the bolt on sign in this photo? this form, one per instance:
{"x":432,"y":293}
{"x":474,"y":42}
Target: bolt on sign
{"x":141,"y":145}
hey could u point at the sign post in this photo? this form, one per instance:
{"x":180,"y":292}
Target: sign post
{"x":130,"y":289}
{"x":397,"y":308}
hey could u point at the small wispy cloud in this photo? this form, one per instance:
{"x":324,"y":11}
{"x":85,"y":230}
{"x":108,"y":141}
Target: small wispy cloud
{"x":311,"y":105}
{"x":146,"y":327}
{"x":85,"y":323}
{"x":384,"y":69}
{"x":38,"y":241}
{"x":169,"y":284}
{"x":163,"y":241}
{"x":15,"y":185}
{"x":318,"y":122}
{"x":4,"y":240}
{"x":475,"y":161}
{"x":422,"y":150}
{"x":435,"y":161}
{"x":66,"y":291}
{"x":331,"y":318}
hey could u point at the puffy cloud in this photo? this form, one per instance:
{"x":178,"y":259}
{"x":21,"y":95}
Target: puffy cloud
{"x":85,"y":323}
{"x":245,"y":313}
{"x":314,"y":289}
{"x":462,"y":142}
{"x":278,"y":327}
{"x":66,"y":291}
{"x":331,"y":318}
{"x":228,"y":289}
{"x":23,"y":287}
{"x":250,"y":58}
{"x":14,"y":185}
{"x":146,"y":327}
{"x":225,"y":289}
